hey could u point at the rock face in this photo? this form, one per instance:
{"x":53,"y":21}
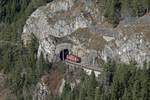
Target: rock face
{"x":58,"y":19}
{"x":41,"y":91}
{"x":77,"y":25}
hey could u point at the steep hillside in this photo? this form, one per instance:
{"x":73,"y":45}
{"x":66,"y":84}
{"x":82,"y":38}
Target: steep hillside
{"x":74,"y":49}
{"x":82,"y":25}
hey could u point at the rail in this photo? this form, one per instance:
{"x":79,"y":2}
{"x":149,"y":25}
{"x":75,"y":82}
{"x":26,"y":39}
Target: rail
{"x":86,"y":66}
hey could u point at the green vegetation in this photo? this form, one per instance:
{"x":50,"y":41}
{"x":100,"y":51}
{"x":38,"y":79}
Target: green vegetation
{"x":12,"y":10}
{"x":115,"y":9}
{"x":110,"y":12}
{"x":18,"y":63}
{"x":23,"y":70}
{"x":13,"y":14}
{"x":117,"y":82}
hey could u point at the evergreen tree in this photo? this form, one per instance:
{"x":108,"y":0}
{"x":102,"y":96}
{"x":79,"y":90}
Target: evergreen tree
{"x":97,"y":94}
{"x":110,"y":13}
{"x":146,"y":4}
{"x":144,"y":84}
{"x":126,"y":95}
{"x":136,"y":90}
{"x":137,"y":8}
{"x":42,"y":65}
{"x":66,"y":94}
{"x":92,"y":86}
{"x":6,"y":62}
{"x":82,"y":93}
{"x":125,"y":7}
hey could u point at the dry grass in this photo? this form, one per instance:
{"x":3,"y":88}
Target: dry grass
{"x":53,"y":81}
{"x":90,"y":40}
{"x":97,"y":42}
{"x":145,"y":29}
{"x":136,"y":28}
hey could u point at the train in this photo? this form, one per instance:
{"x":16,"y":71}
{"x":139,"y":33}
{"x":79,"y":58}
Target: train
{"x":73,"y":58}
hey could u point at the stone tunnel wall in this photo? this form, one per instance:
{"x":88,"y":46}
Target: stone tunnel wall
{"x":62,"y":46}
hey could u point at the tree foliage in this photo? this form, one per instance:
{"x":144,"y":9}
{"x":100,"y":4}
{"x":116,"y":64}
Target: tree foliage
{"x":117,"y":9}
{"x":128,"y":83}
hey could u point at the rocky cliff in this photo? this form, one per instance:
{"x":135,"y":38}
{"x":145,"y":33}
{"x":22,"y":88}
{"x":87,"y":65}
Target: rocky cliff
{"x":77,"y":25}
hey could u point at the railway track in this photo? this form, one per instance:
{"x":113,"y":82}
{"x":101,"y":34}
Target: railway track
{"x":83,"y":66}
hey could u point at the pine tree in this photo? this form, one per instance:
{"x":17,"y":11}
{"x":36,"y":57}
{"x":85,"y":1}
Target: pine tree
{"x":42,"y":65}
{"x":82,"y":92}
{"x":144,"y":84}
{"x":125,"y":7}
{"x":66,"y":94}
{"x":126,"y":95}
{"x":136,"y":90}
{"x":83,"y":86}
{"x":137,"y":8}
{"x":146,"y":4}
{"x":92,"y":86}
{"x":6,"y":62}
{"x":110,"y":12}
{"x":97,"y":94}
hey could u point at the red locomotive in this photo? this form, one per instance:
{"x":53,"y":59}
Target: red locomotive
{"x":73,"y":58}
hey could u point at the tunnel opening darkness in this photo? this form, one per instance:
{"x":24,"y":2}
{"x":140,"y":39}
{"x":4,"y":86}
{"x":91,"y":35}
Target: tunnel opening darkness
{"x":63,"y":54}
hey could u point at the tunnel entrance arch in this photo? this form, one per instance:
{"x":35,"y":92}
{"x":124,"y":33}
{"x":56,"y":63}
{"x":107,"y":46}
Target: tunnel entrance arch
{"x":62,"y":50}
{"x":63,"y":54}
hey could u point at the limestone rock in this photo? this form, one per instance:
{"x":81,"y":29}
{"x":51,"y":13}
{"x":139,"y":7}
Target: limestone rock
{"x":76,"y":25}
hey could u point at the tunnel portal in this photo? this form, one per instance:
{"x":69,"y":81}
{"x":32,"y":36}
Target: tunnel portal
{"x":63,"y":54}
